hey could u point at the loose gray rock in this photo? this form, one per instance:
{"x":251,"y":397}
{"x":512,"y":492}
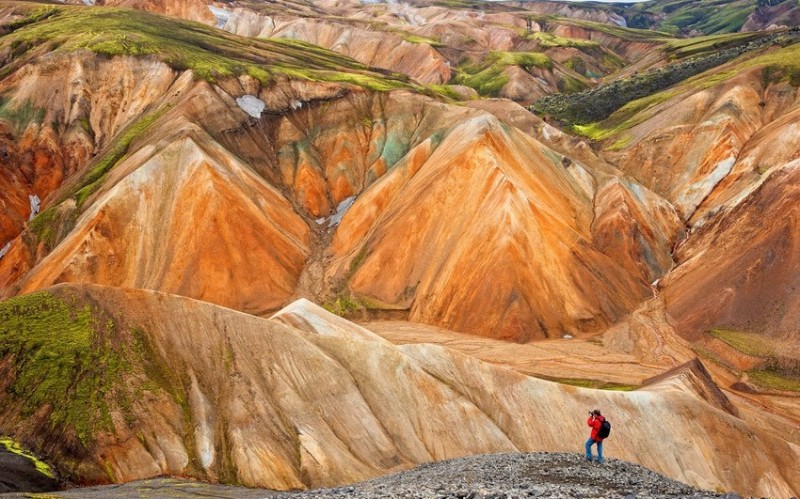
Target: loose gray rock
{"x":495,"y":476}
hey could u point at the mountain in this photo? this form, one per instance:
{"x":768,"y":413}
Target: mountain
{"x":162,"y":384}
{"x":711,"y":17}
{"x":529,"y":208}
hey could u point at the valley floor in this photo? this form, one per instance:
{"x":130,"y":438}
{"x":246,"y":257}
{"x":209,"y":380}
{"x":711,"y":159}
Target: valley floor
{"x":510,"y":475}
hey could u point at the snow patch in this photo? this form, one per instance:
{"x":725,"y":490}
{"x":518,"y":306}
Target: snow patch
{"x":88,"y":2}
{"x":251,"y":105}
{"x":341,"y":209}
{"x":296,"y":104}
{"x":5,"y":249}
{"x":222,"y":15}
{"x":36,"y":205}
{"x":333,"y":220}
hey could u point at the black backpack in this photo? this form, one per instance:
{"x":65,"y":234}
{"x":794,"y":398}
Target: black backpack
{"x":605,"y":429}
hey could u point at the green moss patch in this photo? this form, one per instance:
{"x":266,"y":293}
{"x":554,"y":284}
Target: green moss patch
{"x":596,"y":105}
{"x":591,"y":383}
{"x":61,"y":358}
{"x":211,"y":54}
{"x":14,"y":448}
{"x":488,"y":76}
{"x":118,"y":149}
{"x":684,"y":17}
{"x":775,"y":380}
{"x":625,"y":118}
{"x":343,"y":306}
{"x":548,"y":40}
{"x":748,"y":343}
{"x":703,"y":45}
{"x":623,"y":33}
{"x":20,"y":115}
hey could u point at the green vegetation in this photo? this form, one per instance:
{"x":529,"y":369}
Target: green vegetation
{"x":14,"y":448}
{"x":779,"y":65}
{"x":709,"y":17}
{"x":63,"y":359}
{"x":343,"y":305}
{"x":37,"y":15}
{"x":410,"y":37}
{"x":775,"y":380}
{"x":591,"y":383}
{"x":211,"y":54}
{"x":356,"y":262}
{"x":625,"y":118}
{"x":680,"y":48}
{"x":548,"y":40}
{"x":44,"y":226}
{"x":641,"y":91}
{"x":623,"y":33}
{"x":569,"y":85}
{"x":576,"y":64}
{"x":488,"y":77}
{"x":20,"y":115}
{"x":116,"y":152}
{"x":702,"y":352}
{"x":684,"y":17}
{"x":445,"y":91}
{"x":748,"y":343}
{"x":774,"y":372}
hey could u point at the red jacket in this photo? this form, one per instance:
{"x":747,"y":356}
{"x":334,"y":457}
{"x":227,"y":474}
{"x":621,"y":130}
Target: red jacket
{"x":595,"y":424}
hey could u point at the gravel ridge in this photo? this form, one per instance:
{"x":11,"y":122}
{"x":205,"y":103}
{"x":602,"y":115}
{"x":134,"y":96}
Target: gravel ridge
{"x":519,"y":475}
{"x":493,"y":476}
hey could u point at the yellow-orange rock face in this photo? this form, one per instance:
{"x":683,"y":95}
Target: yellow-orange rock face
{"x":743,"y":270}
{"x":484,"y":239}
{"x":189,"y":220}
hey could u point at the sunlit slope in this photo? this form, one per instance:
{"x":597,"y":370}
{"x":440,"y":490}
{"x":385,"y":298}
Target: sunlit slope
{"x":308,"y":399}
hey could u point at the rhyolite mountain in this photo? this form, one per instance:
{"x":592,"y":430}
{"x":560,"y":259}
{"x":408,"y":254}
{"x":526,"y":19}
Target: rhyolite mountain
{"x":512,"y":198}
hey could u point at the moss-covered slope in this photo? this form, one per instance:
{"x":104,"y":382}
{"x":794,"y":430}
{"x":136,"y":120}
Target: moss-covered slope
{"x":210,"y":53}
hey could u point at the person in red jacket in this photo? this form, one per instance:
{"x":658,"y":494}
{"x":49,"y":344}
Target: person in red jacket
{"x":595,"y":420}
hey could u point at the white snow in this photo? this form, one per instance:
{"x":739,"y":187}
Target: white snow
{"x":333,"y":220}
{"x":36,"y":205}
{"x":5,"y":249}
{"x":251,"y":105}
{"x":341,"y":209}
{"x":222,"y":15}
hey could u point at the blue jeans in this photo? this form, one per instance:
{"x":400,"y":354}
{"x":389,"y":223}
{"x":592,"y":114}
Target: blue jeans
{"x":589,"y":450}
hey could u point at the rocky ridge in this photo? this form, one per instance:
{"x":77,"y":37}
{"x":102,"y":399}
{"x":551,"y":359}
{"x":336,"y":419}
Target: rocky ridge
{"x":493,"y":476}
{"x":516,"y":476}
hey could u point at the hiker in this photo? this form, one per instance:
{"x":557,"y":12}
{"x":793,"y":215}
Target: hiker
{"x":595,"y":421}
